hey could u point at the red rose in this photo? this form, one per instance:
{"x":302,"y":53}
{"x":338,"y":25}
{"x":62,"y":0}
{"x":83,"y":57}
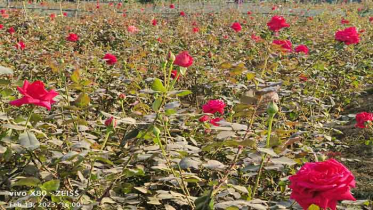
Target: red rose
{"x":195,"y":29}
{"x":183,"y":59}
{"x":119,"y":5}
{"x":182,"y":13}
{"x":274,"y":8}
{"x":110,"y":122}
{"x":310,"y":18}
{"x":348,"y":36}
{"x":72,"y":37}
{"x":11,"y":30}
{"x":110,"y":59}
{"x":20,"y":45}
{"x":52,"y":16}
{"x":302,"y":48}
{"x":214,"y":106}
{"x":249,"y":13}
{"x":256,"y":38}
{"x":65,"y":14}
{"x":172,"y":6}
{"x":36,"y":94}
{"x":154,"y":22}
{"x":204,"y":118}
{"x":277,"y":23}
{"x":1,"y":26}
{"x":371,"y":19}
{"x":285,"y":44}
{"x":236,"y":26}
{"x":322,"y":184}
{"x":363,"y":117}
{"x":344,"y":21}
{"x":3,"y":11}
{"x":215,"y":121}
{"x":174,"y":75}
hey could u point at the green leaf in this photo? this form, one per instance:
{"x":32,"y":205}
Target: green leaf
{"x":184,"y":93}
{"x":29,"y":182}
{"x":51,"y":185}
{"x":183,"y":70}
{"x":29,"y":141}
{"x":6,"y":92}
{"x":83,"y":100}
{"x":104,"y":160}
{"x":157,"y":104}
{"x":75,"y":77}
{"x":4,"y":82}
{"x":204,"y":203}
{"x":4,"y":70}
{"x":158,"y":86}
{"x":170,"y":112}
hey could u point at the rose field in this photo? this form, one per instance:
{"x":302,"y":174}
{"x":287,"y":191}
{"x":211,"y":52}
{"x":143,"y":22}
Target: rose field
{"x":186,"y":105}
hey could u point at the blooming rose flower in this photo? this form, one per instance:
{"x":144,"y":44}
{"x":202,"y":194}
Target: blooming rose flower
{"x":348,"y":36}
{"x":174,"y":75}
{"x":277,"y":23}
{"x":20,"y":45}
{"x":285,"y":44}
{"x":1,"y":26}
{"x":344,"y":21}
{"x":204,"y":118}
{"x":214,"y":106}
{"x":154,"y":22}
{"x":132,"y":29}
{"x":65,"y":14}
{"x":363,"y":117}
{"x":72,"y":37}
{"x":110,"y":59}
{"x":215,"y":121}
{"x":36,"y":94}
{"x":183,"y":59}
{"x":172,"y":6}
{"x":159,"y":40}
{"x":119,"y":5}
{"x":310,"y":18}
{"x":256,"y":38}
{"x":52,"y":16}
{"x":249,"y":13}
{"x":371,"y":19}
{"x":97,"y":6}
{"x":11,"y":30}
{"x":302,"y":48}
{"x":274,"y":8}
{"x":3,"y":11}
{"x":111,"y":4}
{"x":236,"y":26}
{"x":182,"y":13}
{"x":322,"y":183}
{"x":111,"y":122}
{"x":195,"y":29}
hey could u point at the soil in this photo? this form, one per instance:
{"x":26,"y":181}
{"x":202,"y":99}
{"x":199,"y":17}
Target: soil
{"x":358,"y":157}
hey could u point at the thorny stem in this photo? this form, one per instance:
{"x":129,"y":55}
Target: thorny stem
{"x":29,"y":116}
{"x":271,"y":116}
{"x":106,"y":139}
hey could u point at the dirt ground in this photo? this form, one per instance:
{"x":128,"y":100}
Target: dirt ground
{"x":358,"y":157}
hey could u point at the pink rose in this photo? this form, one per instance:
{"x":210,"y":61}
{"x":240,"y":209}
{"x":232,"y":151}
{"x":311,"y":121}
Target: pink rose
{"x":323,"y":184}
{"x":363,"y":117}
{"x":236,"y":26}
{"x":183,"y":59}
{"x":214,"y":106}
{"x":302,"y":48}
{"x":348,"y":36}
{"x":277,"y":23}
{"x":35,"y":93}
